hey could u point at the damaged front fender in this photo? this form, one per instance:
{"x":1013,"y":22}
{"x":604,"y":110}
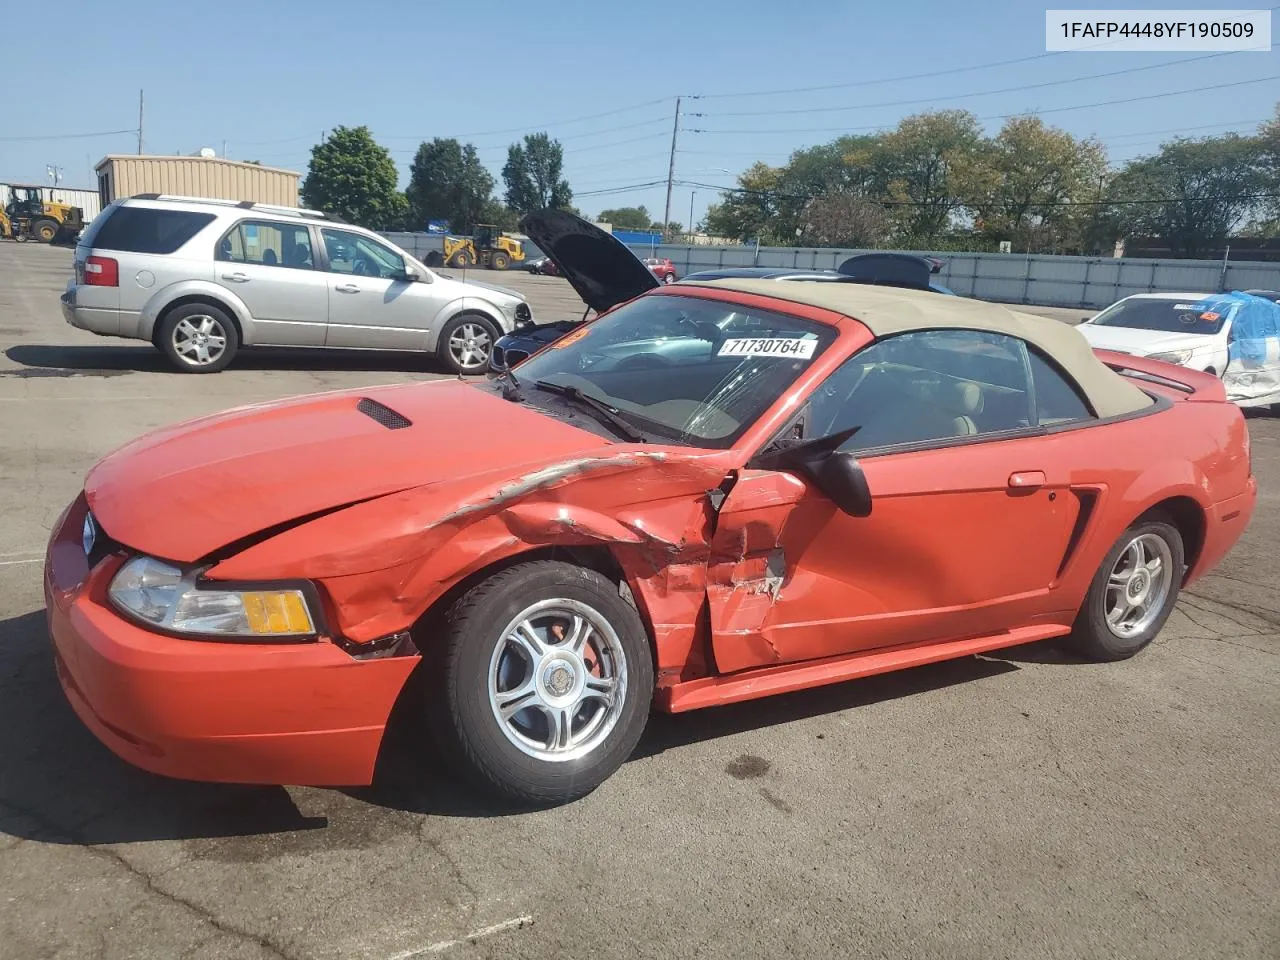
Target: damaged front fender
{"x":383,"y":563}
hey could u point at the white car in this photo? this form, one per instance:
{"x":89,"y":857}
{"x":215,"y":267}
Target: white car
{"x":1173,"y":327}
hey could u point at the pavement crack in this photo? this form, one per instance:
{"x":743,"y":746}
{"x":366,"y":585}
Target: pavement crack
{"x":454,"y":869}
{"x":149,"y":882}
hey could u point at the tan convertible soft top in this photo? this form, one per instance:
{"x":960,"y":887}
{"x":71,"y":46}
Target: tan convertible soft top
{"x":889,"y":310}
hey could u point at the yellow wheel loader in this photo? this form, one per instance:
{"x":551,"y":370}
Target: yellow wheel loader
{"x":28,"y":217}
{"x":490,"y":248}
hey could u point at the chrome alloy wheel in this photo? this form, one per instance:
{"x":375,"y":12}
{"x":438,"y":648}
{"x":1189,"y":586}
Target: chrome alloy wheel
{"x":558,"y":680}
{"x":469,"y":345}
{"x":199,"y":339}
{"x":1138,"y":585}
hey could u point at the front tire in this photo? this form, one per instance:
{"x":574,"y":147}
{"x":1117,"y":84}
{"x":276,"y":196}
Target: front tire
{"x":44,"y":230}
{"x":542,"y":682}
{"x":198,"y":338}
{"x":466,"y":343}
{"x":500,"y":261}
{"x":1132,"y":594}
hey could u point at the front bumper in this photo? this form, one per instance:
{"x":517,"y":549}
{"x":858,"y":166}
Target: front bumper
{"x":304,"y":713}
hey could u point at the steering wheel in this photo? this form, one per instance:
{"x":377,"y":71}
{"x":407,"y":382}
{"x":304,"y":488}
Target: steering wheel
{"x":363,"y":268}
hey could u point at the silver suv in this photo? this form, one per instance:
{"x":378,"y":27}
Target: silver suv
{"x":202,"y":278}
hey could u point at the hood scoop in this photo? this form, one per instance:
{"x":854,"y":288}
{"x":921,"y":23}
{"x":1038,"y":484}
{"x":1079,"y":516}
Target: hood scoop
{"x":383,"y":414}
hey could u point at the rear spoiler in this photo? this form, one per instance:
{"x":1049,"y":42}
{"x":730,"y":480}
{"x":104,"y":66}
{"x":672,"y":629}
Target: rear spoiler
{"x":1196,"y":385}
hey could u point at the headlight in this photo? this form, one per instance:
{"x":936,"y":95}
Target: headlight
{"x":1172,"y":356}
{"x":161,"y":594}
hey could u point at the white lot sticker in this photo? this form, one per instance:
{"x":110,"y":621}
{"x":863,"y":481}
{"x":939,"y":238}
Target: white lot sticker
{"x":792,"y":347}
{"x":1185,"y":306}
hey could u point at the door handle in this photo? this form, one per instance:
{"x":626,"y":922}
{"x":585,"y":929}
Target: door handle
{"x":235,"y":277}
{"x":348,"y":288}
{"x":1026,"y":479}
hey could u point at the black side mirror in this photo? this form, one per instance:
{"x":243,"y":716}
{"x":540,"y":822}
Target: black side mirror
{"x":838,"y":475}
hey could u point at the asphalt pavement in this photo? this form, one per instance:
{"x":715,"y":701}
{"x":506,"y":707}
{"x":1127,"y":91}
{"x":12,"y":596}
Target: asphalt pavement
{"x":1011,"y":805}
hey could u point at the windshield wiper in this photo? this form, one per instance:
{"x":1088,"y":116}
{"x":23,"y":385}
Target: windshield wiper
{"x":602,"y":410}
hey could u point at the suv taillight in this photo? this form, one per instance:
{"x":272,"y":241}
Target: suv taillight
{"x":101,"y":272}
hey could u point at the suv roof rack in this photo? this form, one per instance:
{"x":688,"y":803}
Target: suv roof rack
{"x":300,"y":212}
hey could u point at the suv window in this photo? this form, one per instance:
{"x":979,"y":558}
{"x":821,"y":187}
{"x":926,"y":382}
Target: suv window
{"x":926,"y":385}
{"x":145,"y":229}
{"x":267,"y":243}
{"x":358,"y":255}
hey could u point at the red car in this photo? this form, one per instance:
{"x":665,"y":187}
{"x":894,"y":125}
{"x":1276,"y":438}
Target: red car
{"x":662,"y":268}
{"x":711,"y":492}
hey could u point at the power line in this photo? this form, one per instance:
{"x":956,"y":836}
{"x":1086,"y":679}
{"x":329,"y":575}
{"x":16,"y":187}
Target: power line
{"x":881,"y":80}
{"x":67,"y":136}
{"x":562,"y":123}
{"x":1006,"y":116}
{"x":611,"y":163}
{"x":903,"y":78}
{"x":976,"y":93}
{"x":626,"y":189}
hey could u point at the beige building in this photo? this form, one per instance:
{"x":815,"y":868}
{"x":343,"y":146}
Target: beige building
{"x":126,"y":175}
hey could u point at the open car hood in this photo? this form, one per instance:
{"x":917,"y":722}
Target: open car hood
{"x":601,"y":268}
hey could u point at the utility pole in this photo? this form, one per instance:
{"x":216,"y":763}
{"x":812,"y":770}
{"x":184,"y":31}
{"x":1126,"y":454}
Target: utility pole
{"x":671,"y":173}
{"x":692,"y":194}
{"x":139,"y":123}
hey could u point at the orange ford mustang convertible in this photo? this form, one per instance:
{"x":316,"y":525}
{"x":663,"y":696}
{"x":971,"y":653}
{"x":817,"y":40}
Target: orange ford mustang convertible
{"x":713,"y":491}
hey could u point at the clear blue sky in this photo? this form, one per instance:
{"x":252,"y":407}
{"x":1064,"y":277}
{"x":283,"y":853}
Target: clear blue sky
{"x":268,"y":77}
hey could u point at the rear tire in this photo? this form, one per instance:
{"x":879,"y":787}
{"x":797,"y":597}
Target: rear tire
{"x":542,"y":682}
{"x":198,"y":338}
{"x":1132,"y":594}
{"x":500,"y":261}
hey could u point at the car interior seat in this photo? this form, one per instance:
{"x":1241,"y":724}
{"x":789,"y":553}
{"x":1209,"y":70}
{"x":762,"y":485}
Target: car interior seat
{"x":269,"y":257}
{"x":300,"y":256}
{"x":898,"y":411}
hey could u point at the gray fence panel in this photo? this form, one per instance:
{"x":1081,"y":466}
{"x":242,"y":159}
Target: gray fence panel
{"x":1088,"y":283}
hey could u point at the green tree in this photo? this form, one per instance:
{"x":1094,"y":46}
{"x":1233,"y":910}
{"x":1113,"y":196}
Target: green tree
{"x":447,"y":181}
{"x":533,"y":175}
{"x":1206,"y":184}
{"x":751,"y":210}
{"x":1033,"y":174}
{"x":842,"y":219}
{"x":498,"y":213}
{"x":627,"y":218}
{"x":932,"y":162}
{"x":351,"y":175}
{"x":1269,"y":174}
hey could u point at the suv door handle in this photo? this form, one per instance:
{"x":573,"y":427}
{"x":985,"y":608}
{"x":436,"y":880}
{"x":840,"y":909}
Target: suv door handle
{"x":1027,"y":479}
{"x":348,"y":288}
{"x":235,"y":277}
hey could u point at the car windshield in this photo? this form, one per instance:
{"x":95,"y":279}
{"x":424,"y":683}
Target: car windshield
{"x":682,"y":369}
{"x":1166,"y":316}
